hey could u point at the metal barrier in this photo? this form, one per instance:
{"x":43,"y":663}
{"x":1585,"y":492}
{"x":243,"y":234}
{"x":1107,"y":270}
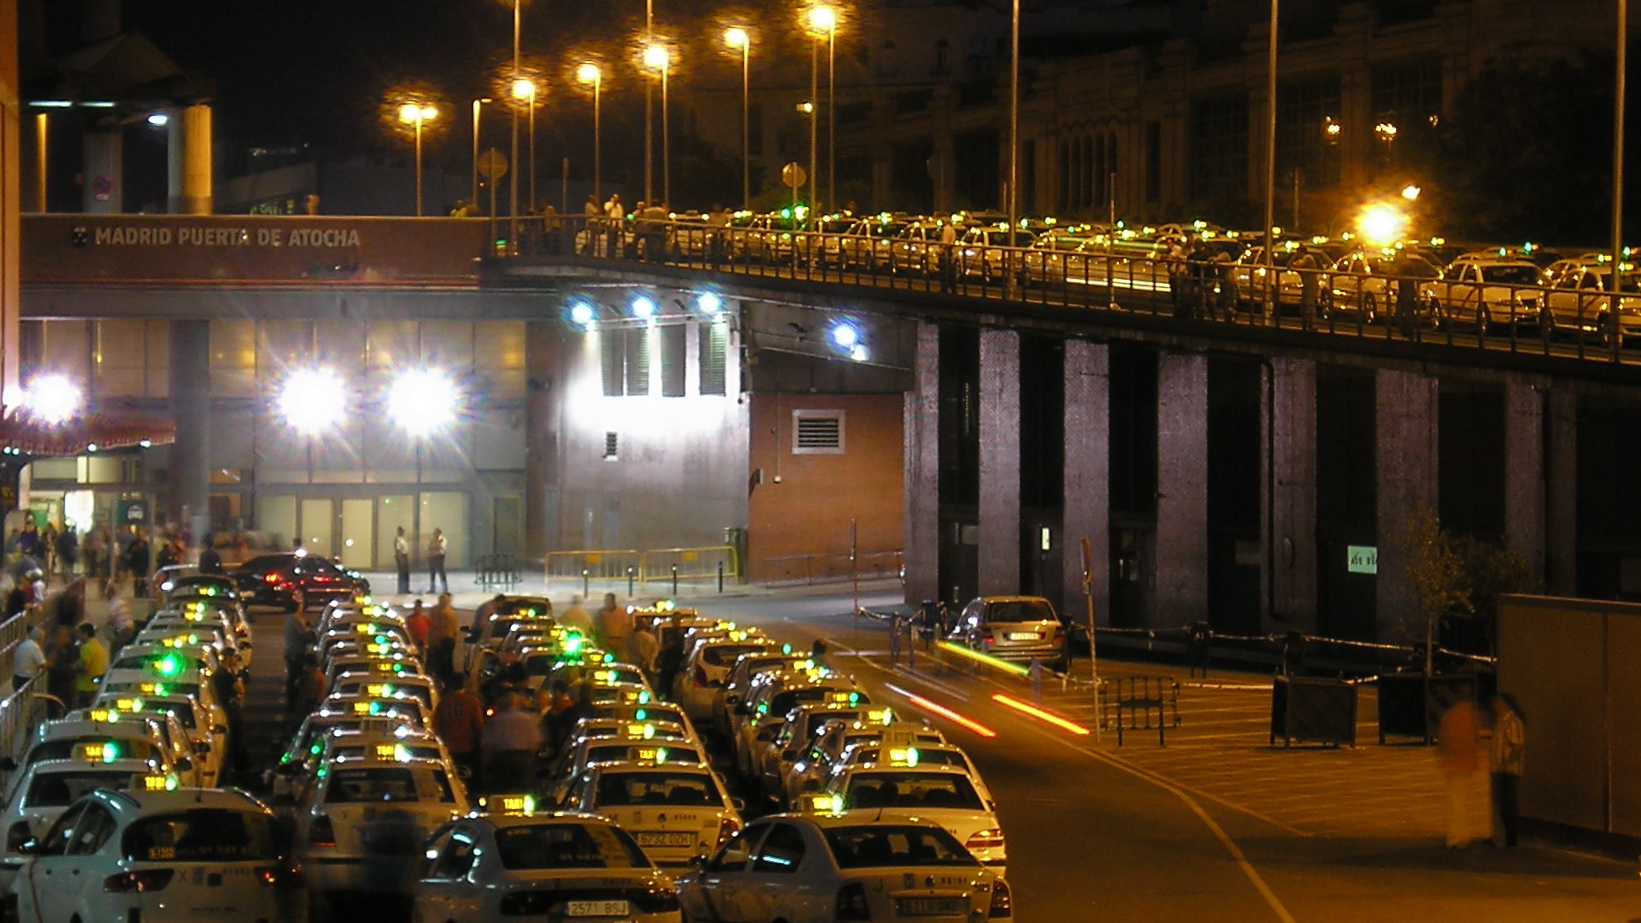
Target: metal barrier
{"x":497,"y":570}
{"x":20,"y":713}
{"x":1129,"y":702}
{"x":1119,"y":277}
{"x":594,"y":565}
{"x":674,"y":564}
{"x":830,"y":566}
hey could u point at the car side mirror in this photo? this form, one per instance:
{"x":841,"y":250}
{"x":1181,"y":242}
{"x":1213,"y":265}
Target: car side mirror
{"x":737,"y":802}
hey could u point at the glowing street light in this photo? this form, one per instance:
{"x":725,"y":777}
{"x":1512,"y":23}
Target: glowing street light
{"x":658,"y":58}
{"x":823,"y":20}
{"x":53,"y":399}
{"x":1381,"y":224}
{"x":524,"y":91}
{"x":643,"y":308}
{"x":423,"y":401}
{"x":312,"y":400}
{"x":589,"y":73}
{"x":583,"y":314}
{"x":737,"y":37}
{"x":418,"y":114}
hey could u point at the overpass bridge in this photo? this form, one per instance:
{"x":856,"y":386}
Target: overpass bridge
{"x":1259,"y":469}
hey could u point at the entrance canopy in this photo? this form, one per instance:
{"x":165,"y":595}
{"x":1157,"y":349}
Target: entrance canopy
{"x":92,"y":432}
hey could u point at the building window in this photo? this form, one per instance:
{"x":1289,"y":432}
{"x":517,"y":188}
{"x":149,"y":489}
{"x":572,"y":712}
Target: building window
{"x":817,"y":432}
{"x":714,"y":349}
{"x":612,"y":444}
{"x":612,"y":360}
{"x":1219,"y":148}
{"x":672,"y":360}
{"x":1303,"y":111}
{"x":942,"y":57}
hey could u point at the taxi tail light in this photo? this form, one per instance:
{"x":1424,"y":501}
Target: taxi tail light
{"x":143,"y":881}
{"x":320,"y":832}
{"x":851,"y":903}
{"x":1002,"y":902}
{"x":726,"y":829}
{"x":986,"y":839}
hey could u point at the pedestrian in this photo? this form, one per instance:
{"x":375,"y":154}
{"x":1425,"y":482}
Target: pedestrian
{"x":210,"y":560}
{"x":29,"y":659}
{"x":459,"y":722}
{"x":17,"y":598}
{"x":1179,"y":277}
{"x":68,"y":551}
{"x":122,"y":630}
{"x":643,"y":648}
{"x":554,"y":710}
{"x":401,"y":560}
{"x":419,"y":623}
{"x":615,"y":624}
{"x":310,"y":688}
{"x":93,"y":663}
{"x":670,"y":659}
{"x":1507,"y":763}
{"x":62,"y":665}
{"x":575,"y":618}
{"x":947,"y":248}
{"x":71,"y":603}
{"x":511,"y":739}
{"x":481,"y":618}
{"x":138,"y":558}
{"x":894,"y":640}
{"x":1224,"y":269}
{"x":48,"y":546}
{"x":228,"y":682}
{"x":299,"y":640}
{"x":437,"y":580}
{"x":441,"y":638}
{"x":1459,"y":749}
{"x":1305,"y":263}
{"x":614,"y":216}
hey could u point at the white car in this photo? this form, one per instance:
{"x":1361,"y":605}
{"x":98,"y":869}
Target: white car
{"x":92,"y":735}
{"x":814,"y":766}
{"x":540,"y":867}
{"x":48,"y":787}
{"x":946,"y":795}
{"x":698,"y":683}
{"x":587,"y":751}
{"x":1483,"y":289}
{"x":186,"y":855}
{"x":373,"y":806}
{"x":848,"y":866}
{"x":773,"y":759}
{"x":1581,"y":301}
{"x":208,"y":741}
{"x":675,"y":813}
{"x":377,"y":686}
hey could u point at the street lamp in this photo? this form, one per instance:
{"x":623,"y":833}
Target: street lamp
{"x":53,"y":399}
{"x":311,"y":400}
{"x":524,"y":90}
{"x":477,"y":105}
{"x":589,"y":73}
{"x":418,"y":114}
{"x":824,"y":19}
{"x":656,"y":57}
{"x":736,"y":37}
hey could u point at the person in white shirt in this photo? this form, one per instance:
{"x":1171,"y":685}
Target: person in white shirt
{"x":435,"y":563}
{"x":29,"y":659}
{"x":401,"y":560}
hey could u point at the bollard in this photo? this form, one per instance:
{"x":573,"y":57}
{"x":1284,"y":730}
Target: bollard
{"x":629,"y":582}
{"x":720,"y":576}
{"x":675,"y":580}
{"x":1036,"y":674}
{"x":584,"y":583}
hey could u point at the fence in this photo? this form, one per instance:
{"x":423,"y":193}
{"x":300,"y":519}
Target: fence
{"x":832,"y":566}
{"x":656,"y":565}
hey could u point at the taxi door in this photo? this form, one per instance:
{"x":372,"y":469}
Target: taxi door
{"x":447,"y":892}
{"x":718,"y":899}
{"x":774,"y":884}
{"x":55,"y":878}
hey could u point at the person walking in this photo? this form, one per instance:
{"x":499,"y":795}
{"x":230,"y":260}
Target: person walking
{"x":401,"y":560}
{"x":948,"y":248}
{"x":437,"y":580}
{"x":643,"y":648}
{"x":459,"y":722}
{"x":210,"y":560}
{"x":441,"y":638}
{"x":511,"y":738}
{"x":1306,"y":264}
{"x":576,"y":618}
{"x":1507,"y":763}
{"x":1460,"y":753}
{"x":29,"y":659}
{"x":68,"y":552}
{"x":299,"y":640}
{"x":93,"y":663}
{"x":614,"y":216}
{"x":228,"y":682}
{"x":615,"y":625}
{"x":62,"y":665}
{"x":139,"y":560}
{"x":419,"y":624}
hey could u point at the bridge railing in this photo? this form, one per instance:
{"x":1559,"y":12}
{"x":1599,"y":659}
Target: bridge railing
{"x":829,"y":567}
{"x":1131,"y":278}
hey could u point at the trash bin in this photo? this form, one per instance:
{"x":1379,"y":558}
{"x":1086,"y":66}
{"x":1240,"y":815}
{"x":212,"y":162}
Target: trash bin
{"x":1312,"y":710}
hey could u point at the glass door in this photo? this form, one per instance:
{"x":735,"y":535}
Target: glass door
{"x":358,"y":533}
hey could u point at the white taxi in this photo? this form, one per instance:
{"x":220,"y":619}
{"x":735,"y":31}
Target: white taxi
{"x":189,"y":855}
{"x":675,"y":813}
{"x":848,"y":866}
{"x":946,"y":795}
{"x":209,"y":742}
{"x":698,"y":684}
{"x":48,"y":787}
{"x":380,"y":686}
{"x":540,"y":866}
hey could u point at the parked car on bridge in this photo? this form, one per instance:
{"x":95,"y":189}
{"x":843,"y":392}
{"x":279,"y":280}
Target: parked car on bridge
{"x":1581,"y":301}
{"x":1485,"y":289}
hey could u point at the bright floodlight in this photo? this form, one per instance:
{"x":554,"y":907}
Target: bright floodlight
{"x":656,"y":57}
{"x":588,"y":73}
{"x":709,"y":303}
{"x":159,"y":120}
{"x":1411,"y":191}
{"x":845,"y":336}
{"x":411,"y":112}
{"x":823,"y":18}
{"x":422,"y":401}
{"x":524,"y":88}
{"x":1381,"y":224}
{"x":53,"y":399}
{"x":582,"y":313}
{"x":643,"y":307}
{"x":736,"y":37}
{"x":311,"y":400}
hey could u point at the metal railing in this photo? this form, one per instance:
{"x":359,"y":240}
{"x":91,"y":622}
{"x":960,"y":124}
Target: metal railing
{"x":592,"y":564}
{"x":1127,"y":279}
{"x":830,"y":567}
{"x":655,"y":565}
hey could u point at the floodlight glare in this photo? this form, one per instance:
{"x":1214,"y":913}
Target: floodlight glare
{"x":1382,"y":224}
{"x":588,"y":72}
{"x":709,"y":303}
{"x":656,"y":57}
{"x":524,"y":88}
{"x":423,"y":401}
{"x":643,"y":307}
{"x":311,"y":400}
{"x":53,"y":399}
{"x":582,"y":313}
{"x":159,"y":120}
{"x":736,"y":37}
{"x":845,"y":335}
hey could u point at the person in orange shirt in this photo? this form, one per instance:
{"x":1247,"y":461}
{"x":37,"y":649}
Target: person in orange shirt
{"x":1459,"y":748}
{"x":419,"y":623}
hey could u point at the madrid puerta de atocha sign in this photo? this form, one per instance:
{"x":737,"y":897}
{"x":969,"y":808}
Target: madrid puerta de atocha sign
{"x":105,"y":236}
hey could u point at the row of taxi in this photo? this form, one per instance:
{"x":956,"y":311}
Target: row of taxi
{"x":113,"y":812}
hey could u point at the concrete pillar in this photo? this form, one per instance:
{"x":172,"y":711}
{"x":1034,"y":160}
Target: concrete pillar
{"x":1524,"y":486}
{"x":1405,"y":407}
{"x":1561,"y":493}
{"x":190,"y":399}
{"x":1289,"y":419}
{"x":1087,"y":506}
{"x":999,"y":462}
{"x":175,"y":161}
{"x":921,"y":437}
{"x":544,"y":346}
{"x":1182,"y":489}
{"x":188,"y":153}
{"x":104,"y":181}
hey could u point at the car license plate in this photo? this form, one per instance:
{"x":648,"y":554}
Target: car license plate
{"x":1023,"y":636}
{"x":931,"y":906}
{"x":664,"y":839}
{"x":596,"y":908}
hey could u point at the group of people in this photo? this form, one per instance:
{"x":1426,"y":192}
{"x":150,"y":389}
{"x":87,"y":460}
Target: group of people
{"x":438,"y":581}
{"x":1473,"y":738}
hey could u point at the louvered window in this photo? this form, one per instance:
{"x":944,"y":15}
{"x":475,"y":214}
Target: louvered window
{"x":817,"y":432}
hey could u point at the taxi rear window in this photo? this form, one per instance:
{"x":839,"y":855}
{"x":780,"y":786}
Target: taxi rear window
{"x":568,"y":846}
{"x":620,"y":789}
{"x":912,"y":790}
{"x":366,"y":786}
{"x":882,"y":845}
{"x":59,"y":789}
{"x":653,"y":754}
{"x":201,"y":835}
{"x":94,"y":748}
{"x":724,"y":655}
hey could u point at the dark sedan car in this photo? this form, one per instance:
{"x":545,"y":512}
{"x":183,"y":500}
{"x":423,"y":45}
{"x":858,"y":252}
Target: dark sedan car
{"x":272,"y":579}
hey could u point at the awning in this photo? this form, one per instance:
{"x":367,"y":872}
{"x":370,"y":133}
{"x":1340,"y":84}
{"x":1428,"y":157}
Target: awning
{"x":93,"y":432}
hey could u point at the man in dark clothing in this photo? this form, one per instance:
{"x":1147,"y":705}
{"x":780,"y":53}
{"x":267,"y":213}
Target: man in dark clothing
{"x":139,"y":559}
{"x":68,"y":550}
{"x":210,"y":562}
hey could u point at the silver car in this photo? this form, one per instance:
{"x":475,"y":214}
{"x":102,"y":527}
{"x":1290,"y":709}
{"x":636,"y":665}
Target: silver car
{"x":1014,"y":628}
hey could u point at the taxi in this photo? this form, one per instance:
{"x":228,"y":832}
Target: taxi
{"x":181,"y":855}
{"x":156,"y":737}
{"x":839,"y":743}
{"x":844,"y":866}
{"x":705,"y":668}
{"x":675,"y":813}
{"x":288,"y":775}
{"x":387,"y":666}
{"x":773,"y":759}
{"x":378,"y":686}
{"x":944,"y":794}
{"x":545,"y":866}
{"x":738,"y":681}
{"x":587,"y":751}
{"x":166,"y":659}
{"x":179,"y":632}
{"x":757,"y":718}
{"x":207,"y":741}
{"x":649,"y":711}
{"x":48,"y":787}
{"x":361,"y":809}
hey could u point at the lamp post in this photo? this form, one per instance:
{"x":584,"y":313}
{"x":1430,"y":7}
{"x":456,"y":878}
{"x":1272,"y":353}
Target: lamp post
{"x":649,"y":107}
{"x":590,"y":74}
{"x":513,"y":187}
{"x":1616,"y":331}
{"x":524,"y":90}
{"x":1014,"y":152}
{"x":737,"y":37}
{"x":814,"y":121}
{"x":657,"y":57}
{"x":1270,"y":162}
{"x":416,"y":114}
{"x":824,"y":19}
{"x":477,"y":105}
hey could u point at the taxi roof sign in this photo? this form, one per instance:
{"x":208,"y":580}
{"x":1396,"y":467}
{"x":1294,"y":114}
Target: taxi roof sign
{"x":820,"y":804}
{"x":165,"y":783}
{"x":509,"y":804}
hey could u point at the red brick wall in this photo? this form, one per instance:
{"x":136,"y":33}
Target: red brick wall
{"x":808,"y":511}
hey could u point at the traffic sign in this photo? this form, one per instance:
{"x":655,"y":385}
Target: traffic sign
{"x":492,"y":164}
{"x":793,"y":175}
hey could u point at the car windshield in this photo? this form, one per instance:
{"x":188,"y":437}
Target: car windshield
{"x":912,"y":790}
{"x":59,"y":789}
{"x":201,"y":835}
{"x":881,"y":845}
{"x":361,"y":786}
{"x":1510,"y":275}
{"x":568,"y":846}
{"x":1020,"y":610}
{"x":619,"y":789}
{"x":723,"y":655}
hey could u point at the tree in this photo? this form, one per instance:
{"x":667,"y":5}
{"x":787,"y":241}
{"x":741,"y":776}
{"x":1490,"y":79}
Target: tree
{"x":1458,"y":579}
